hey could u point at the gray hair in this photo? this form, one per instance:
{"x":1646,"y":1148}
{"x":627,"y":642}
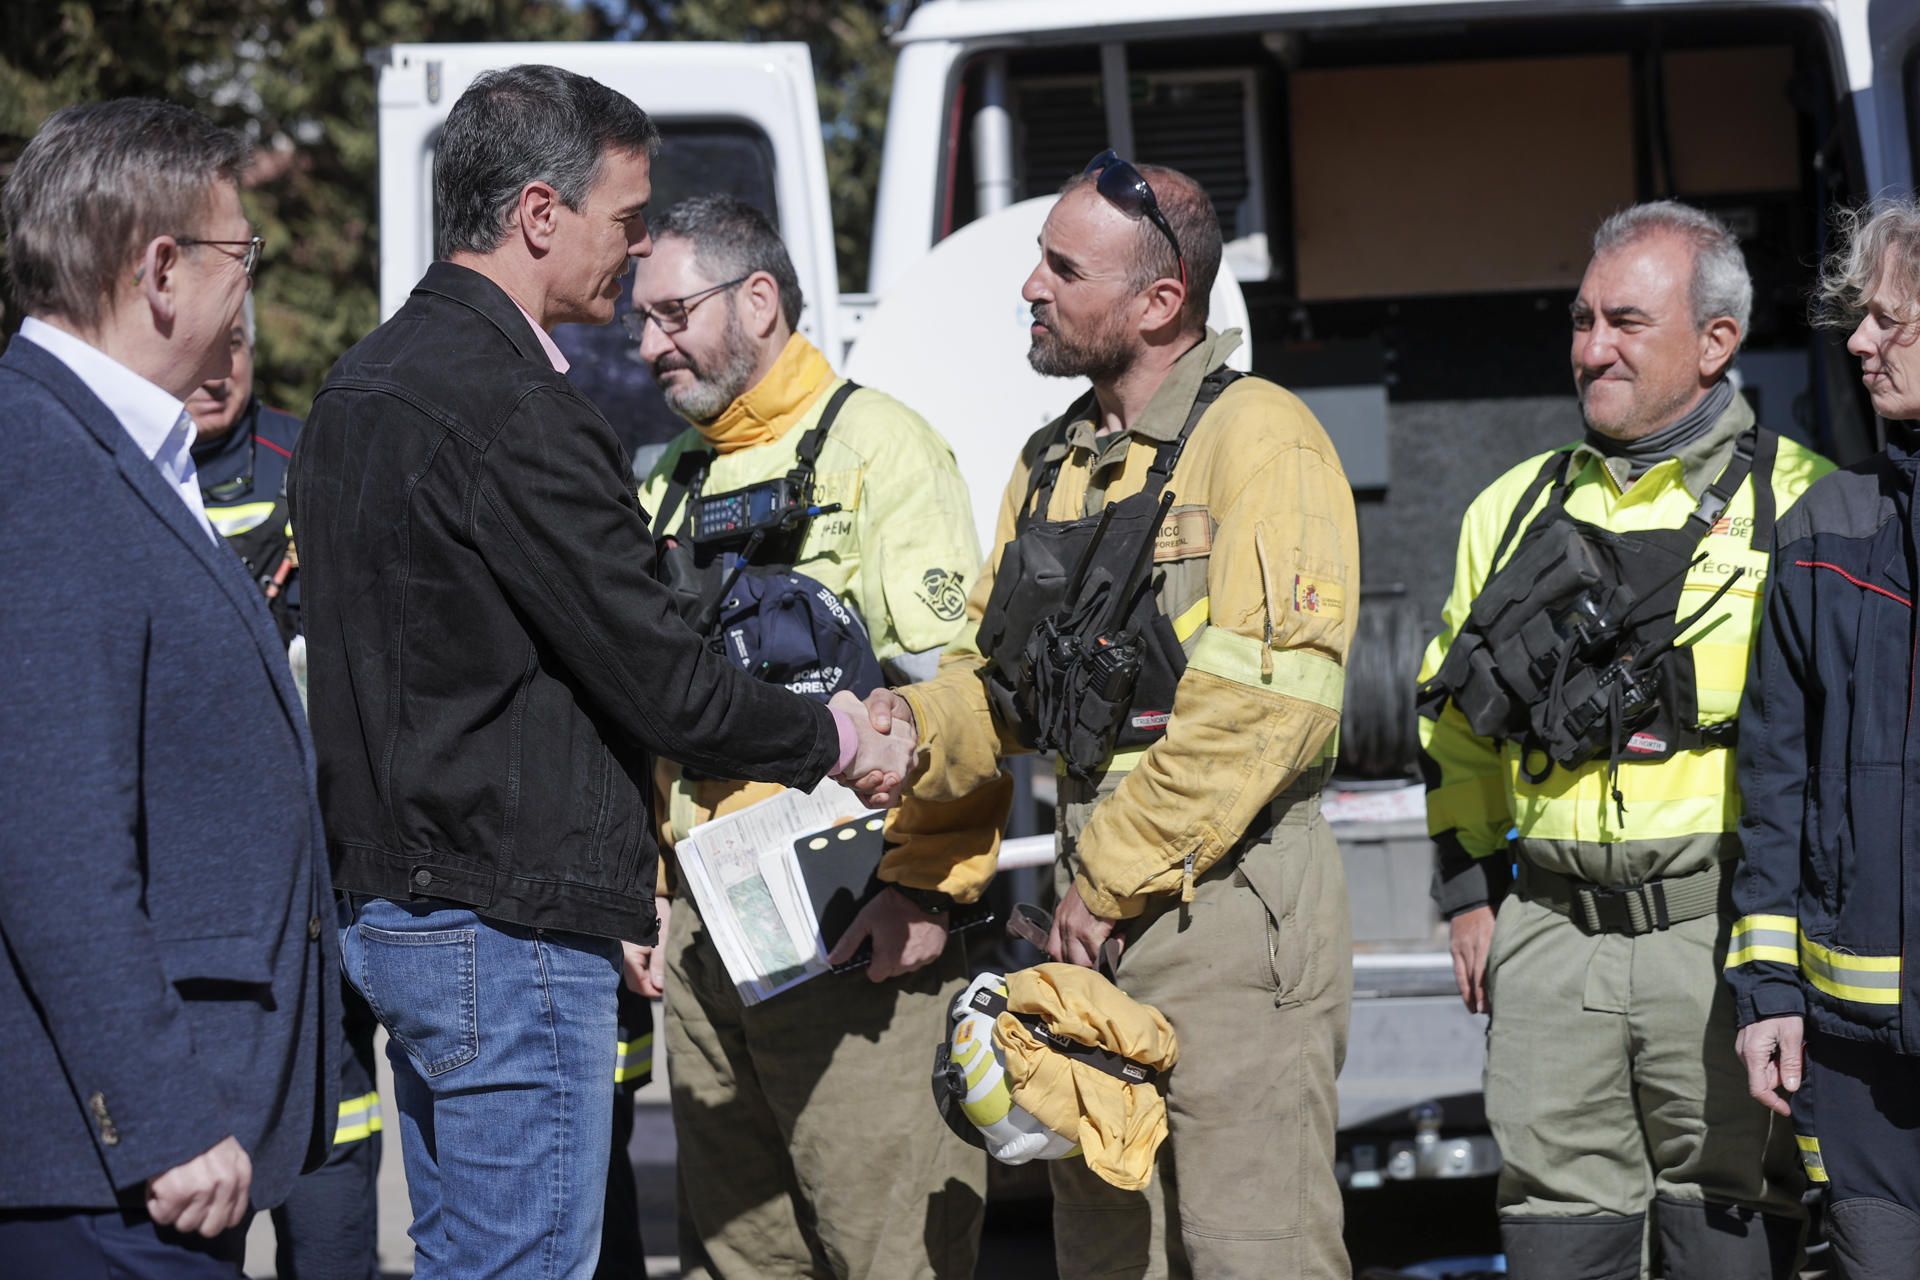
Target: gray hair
{"x":731,"y":239}
{"x":96,"y":185}
{"x":246,"y":317}
{"x":529,"y":123}
{"x":1879,"y":244}
{"x":1720,"y":285}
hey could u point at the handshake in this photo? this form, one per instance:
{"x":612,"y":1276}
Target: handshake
{"x":888,"y":741}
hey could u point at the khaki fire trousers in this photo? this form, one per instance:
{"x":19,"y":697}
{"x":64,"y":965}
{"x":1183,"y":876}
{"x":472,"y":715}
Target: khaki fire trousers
{"x":1256,"y":976}
{"x":1614,"y":1092}
{"x":809,"y":1142}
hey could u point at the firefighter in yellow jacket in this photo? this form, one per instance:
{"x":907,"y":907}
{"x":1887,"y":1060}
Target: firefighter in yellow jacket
{"x":1168,"y":611}
{"x":1582,"y":694}
{"x":807,"y":1145}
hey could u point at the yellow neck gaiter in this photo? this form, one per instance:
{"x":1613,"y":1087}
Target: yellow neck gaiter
{"x":769,"y":408}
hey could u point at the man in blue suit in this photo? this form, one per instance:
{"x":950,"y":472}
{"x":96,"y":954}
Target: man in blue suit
{"x":169,"y":960}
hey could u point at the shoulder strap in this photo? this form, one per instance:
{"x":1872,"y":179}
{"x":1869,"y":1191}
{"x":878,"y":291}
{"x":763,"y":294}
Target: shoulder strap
{"x":1713,"y":503}
{"x":811,"y":443}
{"x":1040,"y":487}
{"x":683,"y":487}
{"x":1555,"y":469}
{"x":1168,"y":456}
{"x":1046,"y":470}
{"x":1765,"y":452}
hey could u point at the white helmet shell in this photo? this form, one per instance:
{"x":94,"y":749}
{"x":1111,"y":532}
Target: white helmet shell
{"x":1011,"y":1133}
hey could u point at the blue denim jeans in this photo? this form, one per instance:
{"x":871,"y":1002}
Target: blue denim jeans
{"x":502,"y":1044}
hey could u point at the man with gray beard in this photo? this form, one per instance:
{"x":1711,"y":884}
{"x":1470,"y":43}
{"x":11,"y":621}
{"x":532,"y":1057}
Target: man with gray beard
{"x":806,"y":1143}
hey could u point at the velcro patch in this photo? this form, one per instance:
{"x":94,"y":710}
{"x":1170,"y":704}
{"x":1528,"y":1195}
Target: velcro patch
{"x":1187,"y":534}
{"x":842,"y":487}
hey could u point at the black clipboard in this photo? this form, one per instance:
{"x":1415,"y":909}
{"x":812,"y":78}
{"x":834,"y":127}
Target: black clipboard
{"x":839,"y":866}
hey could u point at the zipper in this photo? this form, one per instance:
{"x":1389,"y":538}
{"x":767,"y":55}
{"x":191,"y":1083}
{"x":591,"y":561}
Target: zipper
{"x":1186,"y":876}
{"x":1266,"y":603}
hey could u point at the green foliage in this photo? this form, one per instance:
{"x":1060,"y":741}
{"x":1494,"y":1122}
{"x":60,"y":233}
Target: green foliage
{"x":295,"y":78}
{"x":852,"y":66}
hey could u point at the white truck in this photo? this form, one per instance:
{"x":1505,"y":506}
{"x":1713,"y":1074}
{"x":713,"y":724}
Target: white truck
{"x":1407,"y":190}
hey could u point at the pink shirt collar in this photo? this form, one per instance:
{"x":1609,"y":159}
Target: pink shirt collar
{"x":554,"y":357}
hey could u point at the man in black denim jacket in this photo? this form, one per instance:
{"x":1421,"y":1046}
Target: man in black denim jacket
{"x":492,"y":667}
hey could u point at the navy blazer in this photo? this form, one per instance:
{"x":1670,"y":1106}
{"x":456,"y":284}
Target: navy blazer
{"x":170,"y":968}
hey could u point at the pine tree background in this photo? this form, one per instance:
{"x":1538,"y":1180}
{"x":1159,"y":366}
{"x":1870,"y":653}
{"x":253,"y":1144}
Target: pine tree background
{"x":296,"y":78}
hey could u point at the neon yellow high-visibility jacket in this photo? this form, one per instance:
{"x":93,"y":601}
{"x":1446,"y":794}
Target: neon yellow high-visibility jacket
{"x":901,"y":550}
{"x":1259,"y":569}
{"x":1681,"y":813}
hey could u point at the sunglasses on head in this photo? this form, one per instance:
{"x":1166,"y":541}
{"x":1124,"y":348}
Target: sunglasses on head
{"x":1123,"y":188}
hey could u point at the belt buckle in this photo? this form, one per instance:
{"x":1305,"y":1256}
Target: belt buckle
{"x":1609,"y":910}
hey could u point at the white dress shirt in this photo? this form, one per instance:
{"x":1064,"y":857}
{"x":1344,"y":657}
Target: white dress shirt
{"x":157,"y":422}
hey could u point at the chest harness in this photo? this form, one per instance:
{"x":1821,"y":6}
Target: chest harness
{"x":729,"y":567}
{"x":759,"y":527}
{"x":1073,"y":635}
{"x":1571,"y":649}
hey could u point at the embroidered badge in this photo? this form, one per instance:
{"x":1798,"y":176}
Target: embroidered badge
{"x":944,"y":594}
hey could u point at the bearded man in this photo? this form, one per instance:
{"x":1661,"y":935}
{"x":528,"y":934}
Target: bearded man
{"x":1222,"y":565}
{"x":807,"y":1145}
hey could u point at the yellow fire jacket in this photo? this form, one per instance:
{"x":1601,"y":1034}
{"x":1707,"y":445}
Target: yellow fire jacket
{"x":901,"y":550}
{"x":1119,"y":1125}
{"x":1258,"y":567}
{"x":1681,"y":812}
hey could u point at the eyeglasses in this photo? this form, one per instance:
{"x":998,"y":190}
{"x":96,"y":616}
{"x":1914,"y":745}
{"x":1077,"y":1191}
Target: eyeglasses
{"x":673,"y":314}
{"x":249,"y":254}
{"x":1128,"y":192}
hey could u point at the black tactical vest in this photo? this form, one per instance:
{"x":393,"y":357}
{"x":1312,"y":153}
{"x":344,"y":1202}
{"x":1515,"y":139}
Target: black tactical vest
{"x":1073,"y":635}
{"x":1570,"y":649}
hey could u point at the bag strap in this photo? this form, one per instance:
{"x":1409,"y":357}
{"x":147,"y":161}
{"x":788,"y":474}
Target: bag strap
{"x":1121,"y":1068}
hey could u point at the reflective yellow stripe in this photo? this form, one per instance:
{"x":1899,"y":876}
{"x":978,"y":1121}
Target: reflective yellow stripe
{"x":1844,"y":976}
{"x":1193,"y":619}
{"x":1719,"y":674}
{"x":1118,"y":762}
{"x":1810,"y":1157}
{"x":1297,"y":673}
{"x":1461,"y":803}
{"x":358,"y":1117}
{"x":1773,"y":938}
{"x":633,"y":1059}
{"x":1691,"y":793}
{"x":239,"y":518}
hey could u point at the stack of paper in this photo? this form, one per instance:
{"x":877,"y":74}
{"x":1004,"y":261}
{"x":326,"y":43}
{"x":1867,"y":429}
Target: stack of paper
{"x":744,"y":873}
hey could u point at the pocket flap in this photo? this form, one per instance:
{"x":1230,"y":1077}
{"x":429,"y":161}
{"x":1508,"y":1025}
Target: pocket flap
{"x":238,"y":957}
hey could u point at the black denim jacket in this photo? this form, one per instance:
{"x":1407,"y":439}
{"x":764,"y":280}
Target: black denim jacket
{"x":492,"y":664}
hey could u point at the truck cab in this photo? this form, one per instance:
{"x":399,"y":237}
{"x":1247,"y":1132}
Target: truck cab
{"x":1407,"y":189}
